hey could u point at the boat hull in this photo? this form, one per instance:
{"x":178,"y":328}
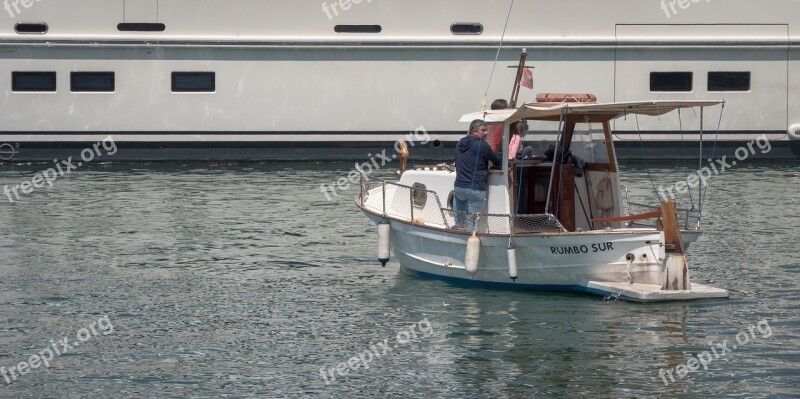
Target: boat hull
{"x":554,"y":260}
{"x":587,"y":262}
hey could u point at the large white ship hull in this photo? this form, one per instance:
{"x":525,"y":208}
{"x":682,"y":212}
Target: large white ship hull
{"x":287,"y":86}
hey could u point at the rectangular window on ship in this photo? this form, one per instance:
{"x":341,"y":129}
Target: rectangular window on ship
{"x":193,"y":82}
{"x":729,"y":81}
{"x":92,"y":81}
{"x":670,"y":81}
{"x":33,"y":81}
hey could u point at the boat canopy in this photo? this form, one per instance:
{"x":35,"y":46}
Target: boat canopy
{"x":607,"y":111}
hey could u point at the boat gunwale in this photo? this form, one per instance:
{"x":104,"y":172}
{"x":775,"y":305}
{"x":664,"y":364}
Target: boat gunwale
{"x":523,"y":234}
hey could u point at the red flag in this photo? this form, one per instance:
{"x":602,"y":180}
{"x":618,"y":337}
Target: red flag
{"x":527,"y":78}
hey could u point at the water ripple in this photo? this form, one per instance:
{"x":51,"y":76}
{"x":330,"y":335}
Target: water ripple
{"x":227,"y":280}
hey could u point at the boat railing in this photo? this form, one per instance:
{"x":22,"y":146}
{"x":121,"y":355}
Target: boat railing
{"x":423,"y":207}
{"x":518,"y":224}
{"x":684,"y":215}
{"x":411,"y":204}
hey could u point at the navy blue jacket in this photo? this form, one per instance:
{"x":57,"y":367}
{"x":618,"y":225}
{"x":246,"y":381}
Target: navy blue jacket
{"x":472,"y":162}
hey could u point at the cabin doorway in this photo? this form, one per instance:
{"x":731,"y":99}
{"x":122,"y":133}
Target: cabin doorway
{"x":529,"y":196}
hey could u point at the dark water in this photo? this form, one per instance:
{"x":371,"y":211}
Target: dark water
{"x":245,"y":281}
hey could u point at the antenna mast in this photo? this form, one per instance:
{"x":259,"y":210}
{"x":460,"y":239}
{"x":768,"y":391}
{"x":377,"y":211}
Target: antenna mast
{"x":515,"y":92}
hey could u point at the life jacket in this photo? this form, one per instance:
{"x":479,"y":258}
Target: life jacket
{"x":604,"y":201}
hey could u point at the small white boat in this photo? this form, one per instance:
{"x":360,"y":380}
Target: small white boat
{"x":551,"y":226}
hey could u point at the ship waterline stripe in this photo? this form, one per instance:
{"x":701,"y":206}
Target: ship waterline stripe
{"x":212,"y":151}
{"x":411,"y":43}
{"x":358,"y":134}
{"x":346,"y":145}
{"x":329,"y":137}
{"x":220,"y":138}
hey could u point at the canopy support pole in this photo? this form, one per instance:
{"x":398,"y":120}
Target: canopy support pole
{"x":561,"y":126}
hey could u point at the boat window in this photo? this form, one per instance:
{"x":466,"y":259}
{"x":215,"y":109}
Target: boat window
{"x":357,"y":29}
{"x":31,"y":28}
{"x":670,"y":81}
{"x":33,"y":81}
{"x":450,"y":198}
{"x":92,"y":81}
{"x":193,"y":81}
{"x":729,"y":81}
{"x":459,"y":28}
{"x":141,"y":27}
{"x":419,"y":195}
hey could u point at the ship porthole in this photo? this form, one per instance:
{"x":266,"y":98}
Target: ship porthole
{"x":419,"y":195}
{"x":468,"y":28}
{"x":27,"y":28}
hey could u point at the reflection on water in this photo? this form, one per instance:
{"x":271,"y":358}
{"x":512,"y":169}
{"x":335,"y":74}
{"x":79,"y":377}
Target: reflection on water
{"x":244,"y":280}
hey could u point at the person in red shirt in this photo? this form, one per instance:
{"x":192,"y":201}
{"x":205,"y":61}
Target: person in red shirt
{"x":495,"y":136}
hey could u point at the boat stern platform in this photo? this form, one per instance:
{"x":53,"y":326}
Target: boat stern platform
{"x":654,"y":293}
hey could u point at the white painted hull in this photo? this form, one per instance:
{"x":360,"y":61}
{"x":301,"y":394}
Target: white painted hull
{"x":442,"y":254}
{"x":288,"y":86}
{"x":604,"y":271}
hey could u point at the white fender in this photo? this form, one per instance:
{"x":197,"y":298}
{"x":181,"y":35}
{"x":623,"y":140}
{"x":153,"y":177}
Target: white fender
{"x":472,"y":255}
{"x":512,"y":262}
{"x":384,"y":229}
{"x":794,"y":132}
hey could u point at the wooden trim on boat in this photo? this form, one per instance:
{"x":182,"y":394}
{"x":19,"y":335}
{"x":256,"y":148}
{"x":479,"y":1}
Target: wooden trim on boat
{"x":672,"y":235}
{"x":569,"y":131}
{"x":612,"y":154}
{"x":629,"y":218}
{"x":599,"y":167}
{"x":596,"y":118}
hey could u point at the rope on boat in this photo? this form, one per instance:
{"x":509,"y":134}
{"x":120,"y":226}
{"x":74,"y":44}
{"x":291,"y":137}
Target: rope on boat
{"x":587,"y":179}
{"x":713,"y":155}
{"x":561,"y":123}
{"x":646,"y":163}
{"x":496,"y":57}
{"x":560,"y":163}
{"x":685,"y":165}
{"x":519,"y":189}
